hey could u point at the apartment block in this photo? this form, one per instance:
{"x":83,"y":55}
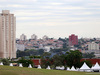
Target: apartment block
{"x":7,"y":35}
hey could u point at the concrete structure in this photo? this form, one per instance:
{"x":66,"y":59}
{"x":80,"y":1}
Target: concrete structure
{"x":20,"y":47}
{"x":34,"y":37}
{"x":23,"y":37}
{"x":47,"y":48}
{"x":45,"y":37}
{"x":73,"y":40}
{"x":93,"y":46}
{"x":7,"y":35}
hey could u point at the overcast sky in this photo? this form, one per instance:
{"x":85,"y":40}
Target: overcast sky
{"x":55,"y":18}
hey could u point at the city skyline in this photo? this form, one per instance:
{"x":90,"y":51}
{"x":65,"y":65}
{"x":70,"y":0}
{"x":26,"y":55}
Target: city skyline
{"x":55,"y":18}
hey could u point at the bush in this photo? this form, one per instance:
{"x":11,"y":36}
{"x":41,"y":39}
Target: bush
{"x":5,"y":61}
{"x":44,"y":66}
{"x":25,"y":62}
{"x":37,"y":56}
{"x":52,"y":66}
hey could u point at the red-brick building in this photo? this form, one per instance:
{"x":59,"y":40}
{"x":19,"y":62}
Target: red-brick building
{"x":93,"y":61}
{"x":36,"y":62}
{"x":73,"y":40}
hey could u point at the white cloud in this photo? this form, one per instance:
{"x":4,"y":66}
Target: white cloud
{"x":73,"y":0}
{"x":56,"y":3}
{"x":59,"y":16}
{"x":30,"y":13}
{"x":73,"y":7}
{"x":63,"y":8}
{"x":16,"y":6}
{"x":82,"y":13}
{"x":61,"y":23}
{"x":29,"y":18}
{"x":93,"y":4}
{"x":28,"y":0}
{"x":3,"y":0}
{"x":18,"y":1}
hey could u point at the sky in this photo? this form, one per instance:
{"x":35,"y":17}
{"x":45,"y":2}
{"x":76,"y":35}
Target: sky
{"x":55,"y":18}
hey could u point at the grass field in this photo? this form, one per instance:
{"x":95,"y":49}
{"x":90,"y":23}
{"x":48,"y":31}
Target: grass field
{"x":7,"y":70}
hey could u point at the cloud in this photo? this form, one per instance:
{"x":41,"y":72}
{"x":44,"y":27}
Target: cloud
{"x":59,"y":16}
{"x":94,"y":4}
{"x":29,"y":18}
{"x":18,"y":0}
{"x":56,"y":3}
{"x":63,"y":7}
{"x":30,"y":13}
{"x":57,"y":22}
{"x":4,"y":0}
{"x":16,"y":6}
{"x":73,"y":0}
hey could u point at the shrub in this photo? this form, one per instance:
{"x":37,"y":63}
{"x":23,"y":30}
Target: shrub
{"x":5,"y":61}
{"x":25,"y":62}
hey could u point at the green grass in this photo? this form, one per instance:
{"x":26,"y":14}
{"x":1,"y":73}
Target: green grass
{"x":7,"y":70}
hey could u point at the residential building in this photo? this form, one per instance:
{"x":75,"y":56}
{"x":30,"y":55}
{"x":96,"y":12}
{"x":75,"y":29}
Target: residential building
{"x":7,"y":35}
{"x":93,"y":46}
{"x":45,"y":37}
{"x":20,"y":47}
{"x":34,"y":37}
{"x":73,"y":40}
{"x":23,"y":37}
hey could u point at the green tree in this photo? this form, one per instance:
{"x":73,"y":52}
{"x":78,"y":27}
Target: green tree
{"x":46,"y":55}
{"x":73,"y":58}
{"x":45,"y":60}
{"x":31,"y":57}
{"x":58,"y":60}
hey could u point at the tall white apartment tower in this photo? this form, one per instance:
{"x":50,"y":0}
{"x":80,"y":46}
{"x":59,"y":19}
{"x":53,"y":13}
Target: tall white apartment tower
{"x":7,"y":35}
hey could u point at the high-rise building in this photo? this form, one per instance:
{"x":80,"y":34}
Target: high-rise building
{"x":73,"y":40}
{"x":45,"y":37}
{"x":7,"y":35}
{"x":34,"y":37}
{"x":23,"y":37}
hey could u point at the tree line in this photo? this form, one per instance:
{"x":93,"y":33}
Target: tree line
{"x":69,"y":59}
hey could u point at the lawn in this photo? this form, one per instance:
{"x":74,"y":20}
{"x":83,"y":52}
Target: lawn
{"x":7,"y":70}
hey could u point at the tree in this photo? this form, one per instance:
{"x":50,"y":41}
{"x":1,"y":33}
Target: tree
{"x":46,"y":55}
{"x":45,"y":60}
{"x":30,"y":52}
{"x":57,"y":60}
{"x":73,"y":58}
{"x":31,"y":57}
